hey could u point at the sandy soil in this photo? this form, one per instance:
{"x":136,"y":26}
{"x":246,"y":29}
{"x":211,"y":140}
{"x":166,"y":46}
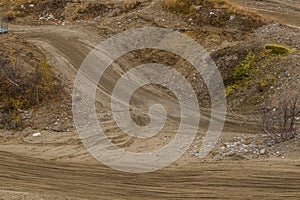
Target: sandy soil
{"x":284,"y":11}
{"x":267,"y":179}
{"x":57,"y":166}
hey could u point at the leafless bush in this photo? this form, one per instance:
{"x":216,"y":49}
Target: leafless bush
{"x":20,"y":90}
{"x":279,"y":120}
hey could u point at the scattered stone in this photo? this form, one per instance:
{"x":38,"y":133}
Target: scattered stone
{"x":196,"y":154}
{"x":263,"y":152}
{"x":270,"y":144}
{"x":198,"y":7}
{"x":47,"y":17}
{"x":37,"y":135}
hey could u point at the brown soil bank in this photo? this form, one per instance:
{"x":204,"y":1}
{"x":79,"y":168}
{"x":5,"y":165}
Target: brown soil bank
{"x":26,"y":81}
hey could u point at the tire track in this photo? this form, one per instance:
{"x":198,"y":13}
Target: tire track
{"x":258,"y":179}
{"x":270,"y":179}
{"x":284,"y":11}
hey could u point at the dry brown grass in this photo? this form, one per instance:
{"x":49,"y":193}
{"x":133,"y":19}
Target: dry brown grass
{"x":233,"y":7}
{"x":180,"y":6}
{"x":26,"y":80}
{"x":131,"y":4}
{"x":189,"y":6}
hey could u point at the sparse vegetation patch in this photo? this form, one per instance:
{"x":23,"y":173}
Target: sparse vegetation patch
{"x":278,"y":49}
{"x":24,"y":84}
{"x":216,"y":13}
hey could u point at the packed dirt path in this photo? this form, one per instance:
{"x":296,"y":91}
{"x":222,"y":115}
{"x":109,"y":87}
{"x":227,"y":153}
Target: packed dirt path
{"x":284,"y":11}
{"x":29,"y":177}
{"x":26,"y":177}
{"x":266,"y":179}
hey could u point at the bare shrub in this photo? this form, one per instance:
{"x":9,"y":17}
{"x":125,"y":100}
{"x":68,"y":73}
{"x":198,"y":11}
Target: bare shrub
{"x":278,"y":120}
{"x":20,"y":90}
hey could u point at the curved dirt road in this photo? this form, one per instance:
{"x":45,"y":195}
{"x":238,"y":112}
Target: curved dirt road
{"x":28,"y":177}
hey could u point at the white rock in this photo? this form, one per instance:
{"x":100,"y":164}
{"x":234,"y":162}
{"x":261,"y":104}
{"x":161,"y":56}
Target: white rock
{"x":50,"y":16}
{"x":244,"y":145}
{"x":36,"y":135}
{"x":262,"y":151}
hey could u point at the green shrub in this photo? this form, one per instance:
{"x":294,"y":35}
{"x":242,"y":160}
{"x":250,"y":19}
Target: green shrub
{"x":231,"y":88}
{"x":243,"y":67}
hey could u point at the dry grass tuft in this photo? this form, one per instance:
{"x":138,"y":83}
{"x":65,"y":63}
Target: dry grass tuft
{"x":131,"y":4}
{"x":180,"y":6}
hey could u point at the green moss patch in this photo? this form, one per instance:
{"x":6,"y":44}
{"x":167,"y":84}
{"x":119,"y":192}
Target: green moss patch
{"x":231,"y":88}
{"x":278,"y":49}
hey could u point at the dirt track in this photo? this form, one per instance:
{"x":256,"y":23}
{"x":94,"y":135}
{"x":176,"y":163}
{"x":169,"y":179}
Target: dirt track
{"x":284,"y":11}
{"x":227,"y":180}
{"x":27,"y":177}
{"x":40,"y":178}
